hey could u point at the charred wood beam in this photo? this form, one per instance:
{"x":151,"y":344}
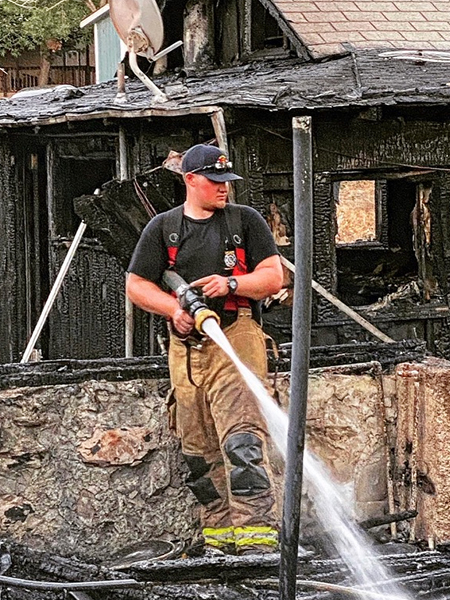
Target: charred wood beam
{"x":76,"y":371}
{"x":67,"y":371}
{"x":57,"y":585}
{"x":347,"y":355}
{"x":118,"y":215}
{"x":320,"y":541}
{"x":386,"y":519}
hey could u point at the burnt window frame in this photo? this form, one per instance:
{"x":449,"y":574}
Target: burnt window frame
{"x":251,"y":45}
{"x":381,"y":212}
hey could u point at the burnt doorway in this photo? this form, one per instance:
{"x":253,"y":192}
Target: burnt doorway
{"x":87,"y":318}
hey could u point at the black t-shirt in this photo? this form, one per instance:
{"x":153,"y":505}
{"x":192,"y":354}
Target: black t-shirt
{"x":201,"y":247}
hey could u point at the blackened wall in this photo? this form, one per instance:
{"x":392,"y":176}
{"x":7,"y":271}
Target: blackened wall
{"x":12,"y":292}
{"x":400,"y":152}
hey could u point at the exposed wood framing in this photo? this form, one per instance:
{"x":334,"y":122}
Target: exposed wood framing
{"x":343,"y":307}
{"x":218,"y":121}
{"x":287,"y":29}
{"x":113,"y":114}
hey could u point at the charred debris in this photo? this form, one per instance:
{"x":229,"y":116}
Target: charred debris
{"x":40,"y":575}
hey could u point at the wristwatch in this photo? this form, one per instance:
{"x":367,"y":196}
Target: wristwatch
{"x":232,"y":285}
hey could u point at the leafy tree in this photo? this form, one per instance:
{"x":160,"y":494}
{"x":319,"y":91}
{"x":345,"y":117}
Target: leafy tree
{"x":50,"y":25}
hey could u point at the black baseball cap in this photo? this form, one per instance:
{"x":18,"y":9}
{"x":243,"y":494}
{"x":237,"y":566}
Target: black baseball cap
{"x":210,"y":161}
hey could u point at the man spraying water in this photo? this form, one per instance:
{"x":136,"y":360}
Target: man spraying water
{"x":229,"y":253}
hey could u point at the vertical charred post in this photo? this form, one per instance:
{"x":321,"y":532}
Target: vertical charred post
{"x":301,"y":331}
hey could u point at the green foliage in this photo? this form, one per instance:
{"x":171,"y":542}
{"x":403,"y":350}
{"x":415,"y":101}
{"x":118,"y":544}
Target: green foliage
{"x":32,"y":25}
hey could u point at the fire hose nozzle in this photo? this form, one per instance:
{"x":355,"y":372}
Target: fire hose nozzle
{"x":191,"y":299}
{"x":201,"y":316}
{"x":193,"y":302}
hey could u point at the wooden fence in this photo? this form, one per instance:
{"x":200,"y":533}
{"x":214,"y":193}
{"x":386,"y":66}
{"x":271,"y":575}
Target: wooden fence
{"x":14,"y":79}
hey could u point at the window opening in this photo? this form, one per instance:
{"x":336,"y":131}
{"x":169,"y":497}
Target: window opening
{"x":356,"y":212}
{"x":265,"y":31}
{"x":374,"y":238}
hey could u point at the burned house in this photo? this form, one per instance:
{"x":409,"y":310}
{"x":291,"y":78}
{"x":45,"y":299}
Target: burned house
{"x":390,"y":142}
{"x":378,"y":99}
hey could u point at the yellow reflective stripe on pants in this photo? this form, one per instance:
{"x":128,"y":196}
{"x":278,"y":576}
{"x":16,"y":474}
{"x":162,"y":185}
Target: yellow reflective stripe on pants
{"x":218,"y":536}
{"x":250,"y":536}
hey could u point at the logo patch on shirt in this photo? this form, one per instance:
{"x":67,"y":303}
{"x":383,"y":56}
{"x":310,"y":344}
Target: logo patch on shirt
{"x":230,"y":259}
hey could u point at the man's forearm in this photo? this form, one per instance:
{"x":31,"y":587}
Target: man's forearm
{"x":265,"y":280}
{"x":260,"y":284}
{"x":150,"y":297}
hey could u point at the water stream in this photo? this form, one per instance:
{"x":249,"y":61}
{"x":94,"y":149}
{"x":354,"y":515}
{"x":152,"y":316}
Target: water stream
{"x":329,"y":501}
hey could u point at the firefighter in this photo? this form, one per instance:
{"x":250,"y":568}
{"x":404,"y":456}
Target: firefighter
{"x":229,"y":253}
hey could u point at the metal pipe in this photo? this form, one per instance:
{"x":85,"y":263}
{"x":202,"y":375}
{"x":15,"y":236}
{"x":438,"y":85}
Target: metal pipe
{"x":70,"y":585}
{"x":121,"y":96}
{"x":301,"y":333}
{"x":54,"y":292}
{"x":129,"y":310}
{"x":158,"y":94}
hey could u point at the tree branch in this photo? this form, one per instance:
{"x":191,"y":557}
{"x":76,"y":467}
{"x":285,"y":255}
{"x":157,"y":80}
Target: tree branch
{"x":90,"y":4}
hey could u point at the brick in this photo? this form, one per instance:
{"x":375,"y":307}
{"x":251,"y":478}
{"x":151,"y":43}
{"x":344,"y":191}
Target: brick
{"x":381,"y":45}
{"x":333,"y":6}
{"x":433,"y":16}
{"x":312,"y":38}
{"x":315,"y":27}
{"x":431,"y":26}
{"x":362,"y":16}
{"x":442,"y":6}
{"x":289,"y":9}
{"x":413,"y":45}
{"x":376,"y":6}
{"x":325,"y":17}
{"x":445,"y":35}
{"x":323,"y":50}
{"x":299,"y":7}
{"x":352,"y":26}
{"x":338,"y":36}
{"x":424,"y":36}
{"x":415,"y":6}
{"x":394,"y":26}
{"x":441,"y":45}
{"x":404,"y":16}
{"x":388,"y":36}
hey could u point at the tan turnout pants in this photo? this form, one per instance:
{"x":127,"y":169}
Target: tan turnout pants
{"x":224,"y":435}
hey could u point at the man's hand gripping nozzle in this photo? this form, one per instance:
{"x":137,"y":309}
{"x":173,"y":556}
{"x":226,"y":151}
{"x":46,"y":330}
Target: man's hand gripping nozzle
{"x":191,"y":299}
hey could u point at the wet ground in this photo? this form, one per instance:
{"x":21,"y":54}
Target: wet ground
{"x":421,"y":573}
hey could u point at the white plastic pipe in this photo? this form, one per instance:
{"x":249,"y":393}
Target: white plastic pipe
{"x":129,"y":308}
{"x":54,"y":292}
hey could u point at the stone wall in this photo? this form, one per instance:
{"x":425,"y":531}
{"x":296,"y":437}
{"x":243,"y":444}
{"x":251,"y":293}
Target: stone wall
{"x":422,"y":450}
{"x":346,"y":430}
{"x":91,"y":469}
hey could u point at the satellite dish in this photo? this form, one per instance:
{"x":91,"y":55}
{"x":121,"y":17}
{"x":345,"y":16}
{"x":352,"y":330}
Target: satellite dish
{"x":140,"y":26}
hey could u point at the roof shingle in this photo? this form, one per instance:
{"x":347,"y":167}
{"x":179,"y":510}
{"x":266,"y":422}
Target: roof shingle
{"x":326,"y":26}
